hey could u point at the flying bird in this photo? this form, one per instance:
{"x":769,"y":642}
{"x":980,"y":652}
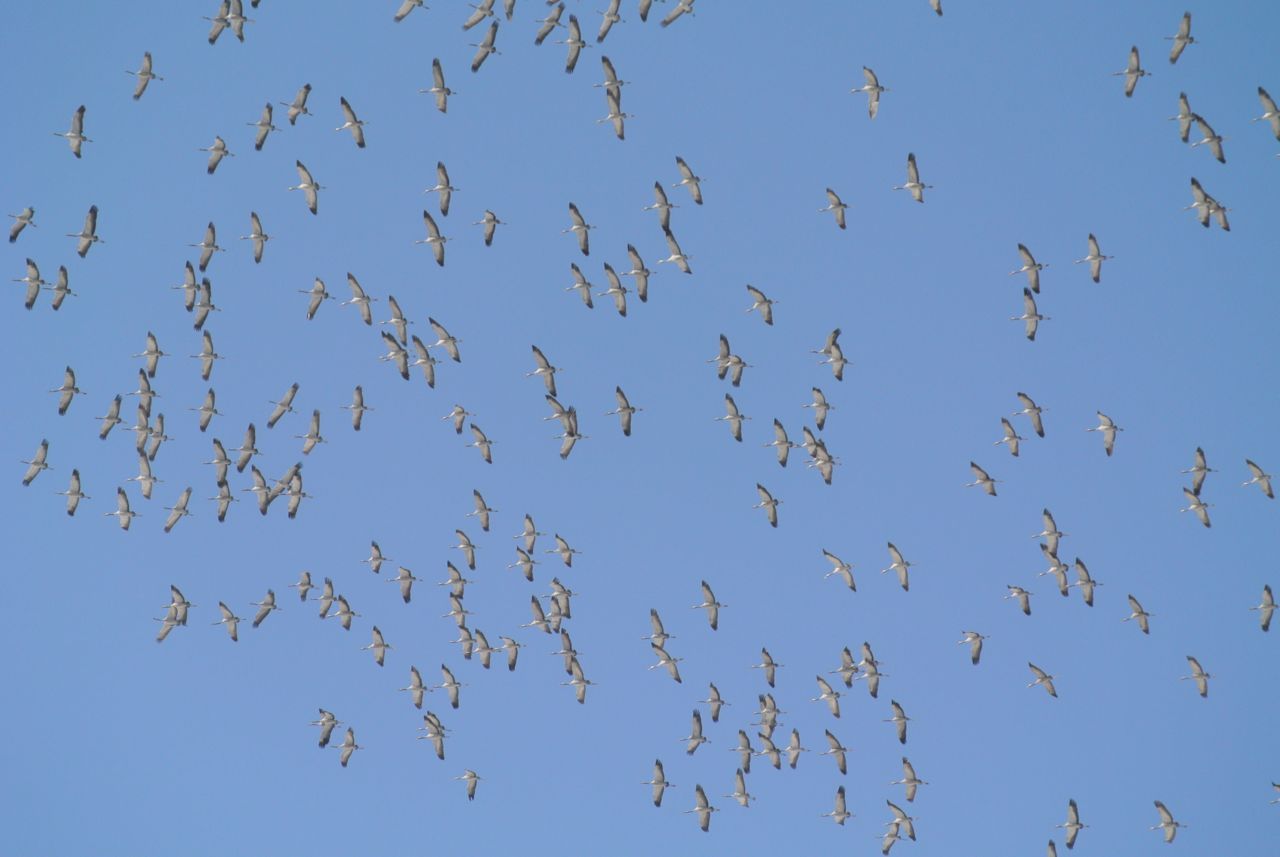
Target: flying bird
{"x":1180,"y":42}
{"x":836,"y":206}
{"x":710,"y":604}
{"x":1260,"y":478}
{"x":217,"y":152}
{"x":913,"y":184}
{"x":144,"y":76}
{"x":982,"y":478}
{"x":1132,"y":72}
{"x":1199,"y":676}
{"x":1030,"y":267}
{"x":1265,"y":609}
{"x":1108,"y":428}
{"x":873,"y":89}
{"x":1043,"y":679}
{"x":1030,"y":315}
{"x":1095,"y":259}
{"x":351,"y":122}
{"x":485,"y":47}
{"x":1072,"y":825}
{"x":770,"y":505}
{"x":307,"y":185}
{"x":1167,"y":823}
{"x":75,"y":136}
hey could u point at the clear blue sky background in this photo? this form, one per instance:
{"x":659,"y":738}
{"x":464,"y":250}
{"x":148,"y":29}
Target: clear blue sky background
{"x":118,"y":746}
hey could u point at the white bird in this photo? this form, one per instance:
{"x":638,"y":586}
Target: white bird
{"x":909,"y":779}
{"x":434,"y":238}
{"x":298,"y":107}
{"x":690,"y":180}
{"x":1184,"y":117}
{"x":666,"y":660}
{"x":580,"y":228}
{"x":740,"y":793}
{"x":1198,"y":471}
{"x":1030,"y":315}
{"x":283,"y":406}
{"x":982,"y":478}
{"x":1260,"y":478}
{"x":485,"y":47}
{"x":438,"y":89}
{"x":1195,"y":504}
{"x":575,"y":43}
{"x":726,"y":361}
{"x":21,"y":222}
{"x":1210,"y":138}
{"x":830,"y":696}
{"x":406,"y":7}
{"x":351,"y":122}
{"x":1199,"y":676}
{"x":264,"y":126}
{"x":549,"y":23}
{"x":230,"y":620}
{"x":1180,"y":42}
{"x":73,"y":493}
{"x":1031,"y":409}
{"x":837,"y":751}
{"x":683,"y":7}
{"x":1167,"y":823}
{"x":616,"y":289}
{"x":1136,"y":612}
{"x":974,"y":639}
{"x":898,"y":564}
{"x":348,"y":746}
{"x":563,"y":549}
{"x":732,"y":416}
{"x":1206,"y":206}
{"x":780,"y":441}
{"x":659,"y":782}
{"x":471,"y":778}
{"x":1043,"y":679}
{"x":1072,"y":826}
{"x":207,"y":356}
{"x":836,"y":206}
{"x":247,"y":449}
{"x":639,"y":272}
{"x":359,"y":299}
{"x":217,"y":152}
{"x":841,"y":813}
{"x":842,"y":568}
{"x":1270,"y":113}
{"x":661,"y":205}
{"x":88,"y":235}
{"x":378,"y":646}
{"x":625,"y":411}
{"x":67,"y":391}
{"x":123,"y":513}
{"x":309,"y":187}
{"x":75,"y":136}
{"x":1095,"y":259}
{"x":913,"y":184}
{"x":319,"y":294}
{"x":1011,"y":437}
{"x":256,"y":235}
{"x":490,"y":222}
{"x":482,"y":443}
{"x":578,"y":681}
{"x":701,"y":805}
{"x":1132,"y":73}
{"x":899,"y":719}
{"x":710,"y":604}
{"x":144,"y":76}
{"x":265,"y":608}
{"x":762,"y":303}
{"x":313,"y":436}
{"x":873,"y":89}
{"x":1023,"y":596}
{"x":482,"y":10}
{"x":677,"y":256}
{"x":1265,"y":609}
{"x":609,"y":17}
{"x":178,"y":511}
{"x":901,"y":821}
{"x":1108,"y":428}
{"x":443,"y":187}
{"x":769,"y":504}
{"x":1030,"y":267}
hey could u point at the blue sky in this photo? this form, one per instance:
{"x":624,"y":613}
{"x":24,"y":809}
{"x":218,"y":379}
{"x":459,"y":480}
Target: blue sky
{"x":1013,"y":116}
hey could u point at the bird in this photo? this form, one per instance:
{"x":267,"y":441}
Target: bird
{"x":982,"y":478}
{"x":351,"y":122}
{"x":178,"y":511}
{"x":549,"y":23}
{"x":481,"y":10}
{"x":701,"y":805}
{"x":1199,"y":676}
{"x":769,"y":504}
{"x":1195,"y":504}
{"x":659,"y":782}
{"x":562,"y":548}
{"x":725,"y":361}
{"x":1031,"y":409}
{"x":348,"y":746}
{"x":848,"y":670}
{"x":309,"y":187}
{"x":282,"y":407}
{"x":744,"y":750}
{"x":73,"y":493}
{"x":443,"y":187}
{"x":677,"y":256}
{"x":298,"y":107}
{"x":1167,"y":823}
{"x":88,"y":235}
{"x":639,"y":272}
{"x":873,"y":89}
{"x":616,"y":289}
{"x":1132,"y":72}
{"x":256,"y":235}
{"x":899,"y":719}
{"x":1011,"y":437}
{"x":1095,"y":259}
{"x":913,"y":183}
{"x":1184,"y":117}
{"x":733,"y":417}
{"x":578,"y":681}
{"x":68,"y":391}
{"x":575,"y":43}
{"x":1043,"y":679}
{"x":661,"y":205}
{"x":1030,"y":315}
{"x":513,"y":652}
{"x":1084,"y":581}
{"x":820,"y":407}
{"x":1108,"y":428}
{"x":710,"y":604}
{"x":769,"y":666}
{"x":75,"y":136}
{"x":1136,"y":612}
{"x":909,"y":779}
{"x":1198,"y":471}
{"x":689,"y":180}
{"x":438,"y":88}
{"x":715,"y":702}
{"x":433,"y":238}
{"x":485,"y":47}
{"x":379,"y":647}
{"x":902,"y":821}
{"x":313,"y":436}
{"x":449,"y":683}
{"x":21,"y":222}
{"x":842,"y":568}
{"x":1030,"y":267}
{"x":898,"y":564}
{"x":144,"y":76}
{"x":841,"y":813}
{"x":625,"y":411}
{"x":762,"y":303}
{"x":665,"y":660}
{"x":1072,"y":825}
{"x":39,"y":463}
{"x":490,"y":222}
{"x":830,"y":696}
{"x":837,"y":751}
{"x":1206,"y":206}
{"x":405,"y":8}
{"x":1270,"y":113}
{"x":1180,"y":42}
{"x":217,"y":152}
{"x":265,"y":607}
{"x":580,"y":228}
{"x":1260,"y":478}
{"x":230,"y":620}
{"x":1023,"y":596}
{"x":471,"y":778}
{"x":1209,"y":138}
{"x":659,"y":635}
{"x":208,"y":245}
{"x":326,"y":723}
{"x":974,"y":639}
{"x":1265,"y":609}
{"x":740,"y":793}
{"x":836,"y":206}
{"x":610,"y":17}
{"x":683,"y":7}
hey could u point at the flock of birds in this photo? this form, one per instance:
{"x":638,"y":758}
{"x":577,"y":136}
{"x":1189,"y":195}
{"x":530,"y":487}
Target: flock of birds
{"x":551,"y":613}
